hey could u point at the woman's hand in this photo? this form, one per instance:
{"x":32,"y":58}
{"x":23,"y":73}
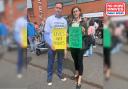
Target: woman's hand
{"x":67,"y":34}
{"x":83,"y":30}
{"x":67,"y":46}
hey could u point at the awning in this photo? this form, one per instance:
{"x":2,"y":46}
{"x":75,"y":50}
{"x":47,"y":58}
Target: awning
{"x":97,"y":14}
{"x":120,"y":18}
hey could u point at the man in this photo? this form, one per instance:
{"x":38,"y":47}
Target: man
{"x":20,"y":35}
{"x":3,"y":34}
{"x":3,"y":37}
{"x":54,"y":21}
{"x":107,"y":42}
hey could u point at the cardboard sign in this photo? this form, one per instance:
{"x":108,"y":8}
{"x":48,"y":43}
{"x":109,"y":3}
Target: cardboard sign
{"x":24,"y":38}
{"x":115,"y":8}
{"x":59,"y":38}
{"x":75,"y":37}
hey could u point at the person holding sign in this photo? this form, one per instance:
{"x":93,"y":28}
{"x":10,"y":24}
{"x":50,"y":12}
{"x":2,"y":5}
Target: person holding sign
{"x":55,"y":37}
{"x":107,"y":45}
{"x":20,"y":35}
{"x":76,"y":33}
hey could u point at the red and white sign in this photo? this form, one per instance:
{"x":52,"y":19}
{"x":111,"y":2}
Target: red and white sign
{"x":115,"y":8}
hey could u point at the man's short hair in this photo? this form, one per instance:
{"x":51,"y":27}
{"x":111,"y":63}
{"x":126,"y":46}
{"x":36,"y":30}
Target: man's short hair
{"x":59,"y":3}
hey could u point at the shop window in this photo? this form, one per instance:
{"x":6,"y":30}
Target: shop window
{"x":82,"y":1}
{"x":118,"y":1}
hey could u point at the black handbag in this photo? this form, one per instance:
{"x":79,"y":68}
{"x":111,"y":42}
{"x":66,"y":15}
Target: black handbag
{"x":88,"y":41}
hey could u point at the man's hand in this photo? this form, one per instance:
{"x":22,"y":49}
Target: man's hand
{"x":67,"y":45}
{"x":67,"y":34}
{"x":65,"y":54}
{"x":53,"y":48}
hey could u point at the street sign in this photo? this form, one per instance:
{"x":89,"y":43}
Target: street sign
{"x":115,"y":8}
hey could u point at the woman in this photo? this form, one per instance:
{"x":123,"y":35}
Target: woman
{"x":77,"y":53}
{"x":91,"y":35}
{"x":107,"y":41}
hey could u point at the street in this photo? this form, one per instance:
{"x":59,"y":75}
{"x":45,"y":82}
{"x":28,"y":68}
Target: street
{"x":36,"y":74}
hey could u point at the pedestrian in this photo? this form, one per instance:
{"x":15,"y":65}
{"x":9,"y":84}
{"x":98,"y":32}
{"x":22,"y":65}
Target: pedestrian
{"x":54,"y":21}
{"x":118,"y":35}
{"x":31,"y":35}
{"x":41,"y":27}
{"x":77,"y":53}
{"x":3,"y":37}
{"x":36,"y":26}
{"x":37,"y":31}
{"x":91,"y":37}
{"x":20,"y":36}
{"x":3,"y":34}
{"x":126,"y":28}
{"x":107,"y":47}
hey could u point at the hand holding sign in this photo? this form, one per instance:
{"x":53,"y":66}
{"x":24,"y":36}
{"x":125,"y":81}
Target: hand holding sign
{"x":59,"y":38}
{"x":23,"y":35}
{"x":53,"y":48}
{"x":75,"y":37}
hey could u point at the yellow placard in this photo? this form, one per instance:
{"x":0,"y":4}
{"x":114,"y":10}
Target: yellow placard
{"x":24,"y":38}
{"x":59,"y":38}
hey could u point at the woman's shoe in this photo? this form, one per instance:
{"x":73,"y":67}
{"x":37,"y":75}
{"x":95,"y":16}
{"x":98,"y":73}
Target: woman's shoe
{"x":78,"y":86}
{"x":107,"y":75}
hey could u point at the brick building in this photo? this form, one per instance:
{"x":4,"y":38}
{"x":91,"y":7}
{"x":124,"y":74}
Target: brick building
{"x":40,"y":9}
{"x":43,"y":8}
{"x":11,"y":10}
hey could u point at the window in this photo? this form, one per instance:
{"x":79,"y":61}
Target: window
{"x":29,"y":3}
{"x":20,"y":6}
{"x":2,"y":8}
{"x":127,"y":1}
{"x":118,"y":0}
{"x":81,"y":1}
{"x":51,"y":3}
{"x":30,"y":8}
{"x":115,"y":0}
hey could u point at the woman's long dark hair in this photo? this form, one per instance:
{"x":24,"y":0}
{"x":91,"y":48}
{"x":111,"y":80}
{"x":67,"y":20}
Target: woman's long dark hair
{"x":74,"y":8}
{"x":71,"y":17}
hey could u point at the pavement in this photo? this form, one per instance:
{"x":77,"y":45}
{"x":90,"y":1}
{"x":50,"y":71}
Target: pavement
{"x":36,"y":74}
{"x":119,"y":78}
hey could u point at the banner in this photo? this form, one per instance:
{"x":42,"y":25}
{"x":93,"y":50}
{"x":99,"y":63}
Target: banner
{"x":75,"y":37}
{"x":59,"y":38}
